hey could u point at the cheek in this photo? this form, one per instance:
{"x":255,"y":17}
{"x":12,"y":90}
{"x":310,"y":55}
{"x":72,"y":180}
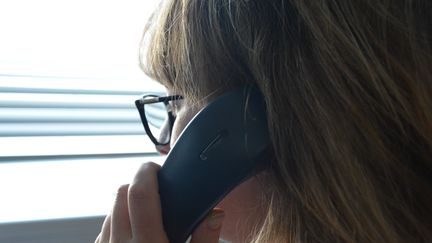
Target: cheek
{"x":177,"y":129}
{"x":243,"y":210}
{"x":183,"y":118}
{"x":243,"y":199}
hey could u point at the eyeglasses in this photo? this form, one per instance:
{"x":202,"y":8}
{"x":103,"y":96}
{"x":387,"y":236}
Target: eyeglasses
{"x":153,"y":120}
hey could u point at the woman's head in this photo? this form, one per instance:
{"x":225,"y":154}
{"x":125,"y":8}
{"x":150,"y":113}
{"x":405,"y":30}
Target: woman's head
{"x":348,"y":89}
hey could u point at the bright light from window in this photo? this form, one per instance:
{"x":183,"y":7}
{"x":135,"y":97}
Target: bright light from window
{"x":63,"y":189}
{"x":80,"y":37}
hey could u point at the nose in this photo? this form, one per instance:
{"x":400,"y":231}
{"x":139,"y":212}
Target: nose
{"x":164,"y":135}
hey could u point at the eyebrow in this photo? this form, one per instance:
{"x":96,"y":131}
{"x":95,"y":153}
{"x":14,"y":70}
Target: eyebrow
{"x":151,"y":100}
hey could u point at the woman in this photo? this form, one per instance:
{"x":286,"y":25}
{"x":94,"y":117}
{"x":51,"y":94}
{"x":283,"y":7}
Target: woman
{"x":348,"y":90}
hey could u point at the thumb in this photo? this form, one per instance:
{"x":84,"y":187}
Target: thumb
{"x":209,"y":229}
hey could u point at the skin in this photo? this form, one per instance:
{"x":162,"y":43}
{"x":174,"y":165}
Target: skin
{"x":129,"y":221}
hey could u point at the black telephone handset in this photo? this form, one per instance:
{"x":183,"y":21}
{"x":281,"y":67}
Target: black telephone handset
{"x":222,"y":146}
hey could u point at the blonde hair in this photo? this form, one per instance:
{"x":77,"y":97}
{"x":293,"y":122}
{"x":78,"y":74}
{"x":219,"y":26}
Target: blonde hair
{"x":349,"y":98}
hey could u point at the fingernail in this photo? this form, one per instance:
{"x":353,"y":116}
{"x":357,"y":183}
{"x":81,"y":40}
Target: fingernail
{"x":215,"y":221}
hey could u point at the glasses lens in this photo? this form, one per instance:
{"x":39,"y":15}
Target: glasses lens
{"x":157,"y":119}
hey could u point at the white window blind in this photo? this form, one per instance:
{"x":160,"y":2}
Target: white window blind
{"x":42,"y":116}
{"x":69,"y":130}
{"x":69,"y":75}
{"x":57,"y":111}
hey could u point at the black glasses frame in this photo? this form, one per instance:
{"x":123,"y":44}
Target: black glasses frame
{"x":151,"y":99}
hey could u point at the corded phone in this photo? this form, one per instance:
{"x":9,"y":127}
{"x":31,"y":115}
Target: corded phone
{"x":223,"y":145}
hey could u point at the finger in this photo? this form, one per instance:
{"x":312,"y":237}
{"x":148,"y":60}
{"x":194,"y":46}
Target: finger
{"x":104,"y":236}
{"x":144,"y":206}
{"x":209,"y":230}
{"x":120,"y":224}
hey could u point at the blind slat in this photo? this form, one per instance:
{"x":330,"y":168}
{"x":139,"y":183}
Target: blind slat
{"x":70,"y":129}
{"x":43,"y":100}
{"x":32,"y":115}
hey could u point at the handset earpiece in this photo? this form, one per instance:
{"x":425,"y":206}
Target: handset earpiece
{"x":222,"y":146}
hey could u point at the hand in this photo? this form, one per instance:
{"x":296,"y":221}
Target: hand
{"x":136,"y":216}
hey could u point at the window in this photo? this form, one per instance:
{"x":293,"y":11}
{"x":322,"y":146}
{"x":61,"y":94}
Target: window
{"x":69,"y":131}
